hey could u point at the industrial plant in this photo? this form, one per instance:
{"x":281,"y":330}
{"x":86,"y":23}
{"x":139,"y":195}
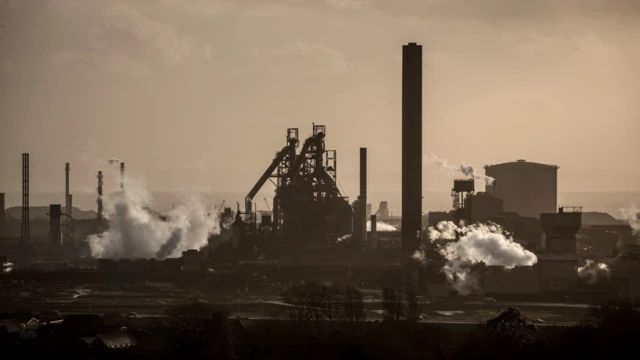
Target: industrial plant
{"x":311,"y":232}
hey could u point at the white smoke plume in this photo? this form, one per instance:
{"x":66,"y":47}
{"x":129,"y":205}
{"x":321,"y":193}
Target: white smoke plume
{"x":135,"y":232}
{"x":343,"y":238}
{"x":7,"y":267}
{"x":467,"y":170}
{"x":381,"y":226}
{"x":632,"y":215}
{"x":112,"y":161}
{"x":593,"y":272}
{"x":419,"y":256}
{"x":475,"y":244}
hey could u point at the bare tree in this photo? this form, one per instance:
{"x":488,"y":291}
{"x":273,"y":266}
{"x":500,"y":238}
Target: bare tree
{"x":414,"y":307}
{"x":198,"y":328}
{"x":331,"y":302}
{"x":353,"y":305}
{"x":392,"y":305}
{"x":314,"y":302}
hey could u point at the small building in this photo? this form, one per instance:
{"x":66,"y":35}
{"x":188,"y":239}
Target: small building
{"x":558,"y":272}
{"x":192,"y":261}
{"x":483,"y":206}
{"x":521,"y":282}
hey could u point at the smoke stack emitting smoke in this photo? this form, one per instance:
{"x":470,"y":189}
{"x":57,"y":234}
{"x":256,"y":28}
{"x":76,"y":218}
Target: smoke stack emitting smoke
{"x":475,"y":244}
{"x":135,"y":233}
{"x":467,"y":170}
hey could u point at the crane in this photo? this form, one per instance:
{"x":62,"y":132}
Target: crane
{"x":267,"y":203}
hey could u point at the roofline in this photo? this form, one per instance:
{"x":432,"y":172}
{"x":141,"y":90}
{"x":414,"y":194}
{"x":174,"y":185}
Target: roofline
{"x":556,"y":167}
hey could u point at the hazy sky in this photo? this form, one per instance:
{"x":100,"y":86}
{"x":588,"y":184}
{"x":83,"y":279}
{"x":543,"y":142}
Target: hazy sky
{"x":200,"y":93}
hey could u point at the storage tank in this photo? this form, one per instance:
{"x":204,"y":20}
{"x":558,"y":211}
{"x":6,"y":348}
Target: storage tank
{"x":527,"y":188}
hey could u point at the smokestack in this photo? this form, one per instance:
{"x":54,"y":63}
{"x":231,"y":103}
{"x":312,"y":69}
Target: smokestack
{"x":121,"y":175}
{"x":25,"y":232}
{"x":374,"y":232}
{"x":411,"y":154}
{"x":363,"y":196}
{"x":2,"y":214}
{"x":100,"y":206}
{"x":55,"y":235}
{"x":67,"y":208}
{"x":70,"y":205}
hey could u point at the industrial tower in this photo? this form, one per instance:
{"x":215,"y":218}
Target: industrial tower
{"x":411,"y":159}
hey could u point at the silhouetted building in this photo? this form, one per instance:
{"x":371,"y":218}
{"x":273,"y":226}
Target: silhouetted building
{"x":526,"y":231}
{"x":527,"y":188}
{"x":561,"y":229}
{"x":55,"y":231}
{"x":484,"y":206}
{"x":383,"y":210}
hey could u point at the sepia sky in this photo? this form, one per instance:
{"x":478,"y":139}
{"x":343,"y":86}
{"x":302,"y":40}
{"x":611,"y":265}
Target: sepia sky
{"x":200,"y":92}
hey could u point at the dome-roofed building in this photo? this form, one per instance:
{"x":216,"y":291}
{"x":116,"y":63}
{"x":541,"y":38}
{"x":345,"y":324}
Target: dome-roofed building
{"x":527,"y":188}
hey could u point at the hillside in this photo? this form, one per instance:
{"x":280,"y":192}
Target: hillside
{"x":600,"y":218}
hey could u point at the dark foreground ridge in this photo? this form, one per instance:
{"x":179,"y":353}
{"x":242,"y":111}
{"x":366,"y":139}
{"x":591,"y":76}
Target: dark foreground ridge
{"x":199,"y":330}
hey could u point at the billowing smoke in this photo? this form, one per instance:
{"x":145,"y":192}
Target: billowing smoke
{"x":114,"y":161}
{"x":593,"y":272}
{"x":135,"y":232}
{"x":419,"y":256}
{"x":7,"y":267}
{"x":381,"y":226}
{"x":632,"y":216}
{"x":476,"y":244}
{"x":467,"y":170}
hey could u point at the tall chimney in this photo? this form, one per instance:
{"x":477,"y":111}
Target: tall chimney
{"x":70,"y":205}
{"x":2,"y":214}
{"x":25,"y":232}
{"x":362,"y":200}
{"x":374,"y":232}
{"x":55,"y":235}
{"x":411,"y":156}
{"x":67,"y":208}
{"x":121,"y":175}
{"x":99,"y":201}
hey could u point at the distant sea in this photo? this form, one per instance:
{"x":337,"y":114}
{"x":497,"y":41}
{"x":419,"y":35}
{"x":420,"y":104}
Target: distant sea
{"x":600,"y":201}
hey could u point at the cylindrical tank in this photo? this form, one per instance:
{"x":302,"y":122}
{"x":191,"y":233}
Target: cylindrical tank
{"x":528,"y":188}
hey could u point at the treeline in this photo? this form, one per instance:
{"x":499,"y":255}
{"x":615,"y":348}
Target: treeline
{"x":316,"y":303}
{"x":328,"y":322}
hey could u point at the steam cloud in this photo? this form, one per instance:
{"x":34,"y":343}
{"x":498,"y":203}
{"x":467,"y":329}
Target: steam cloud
{"x":7,"y":267}
{"x":475,"y":244}
{"x":134,"y":232}
{"x":632,"y":216}
{"x":112,"y":161}
{"x":594,"y":272}
{"x":381,"y":226}
{"x":467,"y":170}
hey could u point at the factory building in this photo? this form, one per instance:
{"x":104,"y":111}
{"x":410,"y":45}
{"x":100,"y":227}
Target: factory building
{"x":526,"y":231}
{"x":521,"y":282}
{"x":527,"y":188}
{"x":483,"y":206}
